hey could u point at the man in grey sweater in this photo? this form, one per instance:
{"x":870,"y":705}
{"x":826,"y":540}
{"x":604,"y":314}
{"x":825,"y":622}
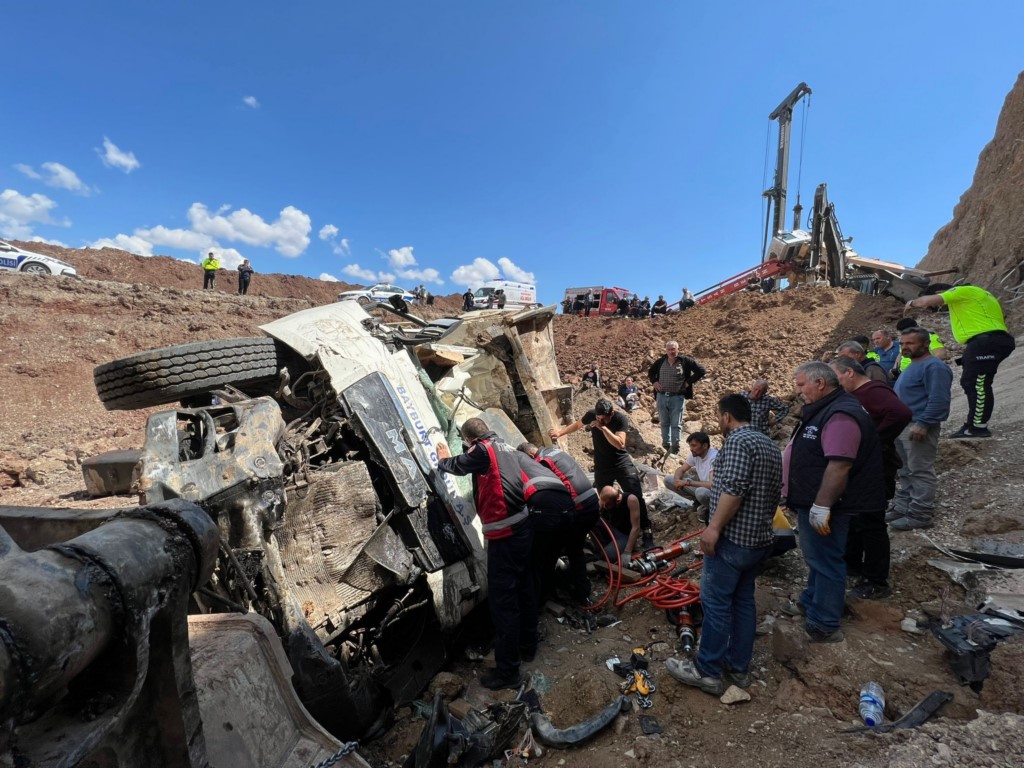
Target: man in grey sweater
{"x":925,"y":388}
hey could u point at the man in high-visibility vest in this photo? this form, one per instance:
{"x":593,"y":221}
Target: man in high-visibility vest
{"x":210,"y":267}
{"x":978,"y":324}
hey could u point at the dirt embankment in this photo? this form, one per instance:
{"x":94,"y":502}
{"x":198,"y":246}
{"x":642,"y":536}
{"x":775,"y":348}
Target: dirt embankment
{"x":985,"y":238}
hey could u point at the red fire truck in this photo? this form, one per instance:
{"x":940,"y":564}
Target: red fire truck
{"x":604,"y":300}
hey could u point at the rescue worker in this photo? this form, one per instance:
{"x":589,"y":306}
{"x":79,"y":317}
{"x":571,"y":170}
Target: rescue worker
{"x":978,"y":324}
{"x":566,"y":531}
{"x":622,"y":513}
{"x":504,"y":482}
{"x":210,"y":267}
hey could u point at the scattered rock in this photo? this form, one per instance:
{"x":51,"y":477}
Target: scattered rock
{"x":449,"y":684}
{"x":910,"y":625}
{"x":734,"y":695}
{"x":789,"y":643}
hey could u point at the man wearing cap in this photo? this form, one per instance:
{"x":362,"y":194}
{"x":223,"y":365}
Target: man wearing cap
{"x":978,"y":324}
{"x":210,"y":267}
{"x":612,"y":462}
{"x":673,"y":376}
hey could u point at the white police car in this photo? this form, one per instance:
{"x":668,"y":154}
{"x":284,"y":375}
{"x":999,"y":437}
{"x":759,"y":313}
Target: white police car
{"x":380,"y":292}
{"x":19,"y":260}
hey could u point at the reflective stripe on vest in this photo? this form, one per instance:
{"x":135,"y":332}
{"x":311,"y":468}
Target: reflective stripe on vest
{"x":506,"y":523}
{"x":535,"y":484}
{"x":583,"y":498}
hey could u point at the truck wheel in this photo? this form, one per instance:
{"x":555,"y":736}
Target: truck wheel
{"x":167,"y":375}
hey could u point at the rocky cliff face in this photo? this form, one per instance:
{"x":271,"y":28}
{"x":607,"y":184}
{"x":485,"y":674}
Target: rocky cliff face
{"x":985,"y":239}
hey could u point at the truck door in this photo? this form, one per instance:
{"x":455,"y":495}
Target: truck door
{"x":609,"y":302}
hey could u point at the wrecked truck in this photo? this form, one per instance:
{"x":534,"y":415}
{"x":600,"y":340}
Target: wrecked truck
{"x":313,"y":449}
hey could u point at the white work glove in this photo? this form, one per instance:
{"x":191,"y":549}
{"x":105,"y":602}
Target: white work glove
{"x":819,"y":519}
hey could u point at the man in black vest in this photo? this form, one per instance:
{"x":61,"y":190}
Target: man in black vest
{"x":505,"y":482}
{"x":833,"y":471}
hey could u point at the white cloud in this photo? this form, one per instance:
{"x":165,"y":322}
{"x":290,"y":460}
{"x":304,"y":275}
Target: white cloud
{"x":28,"y":170}
{"x":328,"y":278}
{"x":114,"y":157}
{"x":229,"y":258}
{"x":428,"y":275}
{"x":251,"y":101}
{"x":18,"y":212}
{"x":401,"y":258}
{"x":289,"y":235}
{"x":340,"y":247}
{"x":512,"y":272}
{"x":472,"y":275}
{"x":366,"y":275}
{"x":185,"y":239}
{"x":122,"y":242}
{"x":48,"y":241}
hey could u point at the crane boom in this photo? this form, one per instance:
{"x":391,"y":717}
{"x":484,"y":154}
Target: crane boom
{"x":777,"y":193}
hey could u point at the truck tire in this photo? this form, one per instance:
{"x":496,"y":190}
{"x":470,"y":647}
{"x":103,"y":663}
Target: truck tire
{"x":167,"y":375}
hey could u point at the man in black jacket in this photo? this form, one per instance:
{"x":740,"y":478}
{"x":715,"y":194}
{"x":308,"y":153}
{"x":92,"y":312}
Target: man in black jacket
{"x":673,"y":376}
{"x":832,"y":472}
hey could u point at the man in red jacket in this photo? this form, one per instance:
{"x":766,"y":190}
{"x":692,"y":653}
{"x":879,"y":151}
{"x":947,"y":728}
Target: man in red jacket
{"x":867,"y":548}
{"x":505,"y":483}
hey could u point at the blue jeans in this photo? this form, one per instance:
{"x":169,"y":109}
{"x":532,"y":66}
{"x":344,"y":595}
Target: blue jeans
{"x":730,"y":615}
{"x":825,"y":595}
{"x":670,"y":414}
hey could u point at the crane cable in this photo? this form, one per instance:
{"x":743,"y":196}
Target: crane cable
{"x":767,"y":212}
{"x":803,"y":141}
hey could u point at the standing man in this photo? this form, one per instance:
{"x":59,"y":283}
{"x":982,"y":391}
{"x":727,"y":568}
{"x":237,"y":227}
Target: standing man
{"x":673,"y":376}
{"x":244,"y":277}
{"x":924,"y":386}
{"x":833,"y":471}
{"x":504,"y":481}
{"x":872,"y":368}
{"x":762,"y":405}
{"x":978,"y":324}
{"x":702,"y":457}
{"x":467,"y":301}
{"x":744,"y":496}
{"x":612,"y":462}
{"x":587,"y":301}
{"x":210,"y":267}
{"x":867,"y":547}
{"x":935,"y":345}
{"x":887,"y":349}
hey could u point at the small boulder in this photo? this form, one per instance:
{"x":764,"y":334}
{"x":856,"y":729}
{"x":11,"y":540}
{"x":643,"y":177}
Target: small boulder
{"x":450,"y":685}
{"x":734,"y":695}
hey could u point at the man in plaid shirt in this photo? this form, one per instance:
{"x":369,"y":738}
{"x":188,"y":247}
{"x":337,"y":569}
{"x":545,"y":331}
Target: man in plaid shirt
{"x":762,"y":404}
{"x":744,"y":496}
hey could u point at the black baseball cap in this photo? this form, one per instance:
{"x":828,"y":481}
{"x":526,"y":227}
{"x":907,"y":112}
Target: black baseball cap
{"x":603,"y":407}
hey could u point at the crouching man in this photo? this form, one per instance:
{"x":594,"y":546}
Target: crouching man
{"x":745,"y":493}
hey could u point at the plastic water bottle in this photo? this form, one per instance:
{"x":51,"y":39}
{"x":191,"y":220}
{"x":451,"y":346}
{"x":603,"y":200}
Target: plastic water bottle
{"x":872,"y":704}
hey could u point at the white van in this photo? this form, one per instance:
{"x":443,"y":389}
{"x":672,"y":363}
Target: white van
{"x":517,"y":295}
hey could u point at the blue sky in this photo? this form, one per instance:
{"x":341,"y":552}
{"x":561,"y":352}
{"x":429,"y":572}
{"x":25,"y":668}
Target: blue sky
{"x":590,"y":142}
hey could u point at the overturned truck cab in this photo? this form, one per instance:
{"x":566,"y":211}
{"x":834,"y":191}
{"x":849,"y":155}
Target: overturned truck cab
{"x":332,"y":520}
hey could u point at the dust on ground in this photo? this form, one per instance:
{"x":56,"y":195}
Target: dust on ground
{"x":56,"y":330}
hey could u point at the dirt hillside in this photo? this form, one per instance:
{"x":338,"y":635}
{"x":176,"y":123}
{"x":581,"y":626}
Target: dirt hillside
{"x":985,"y":239}
{"x":55,"y":330}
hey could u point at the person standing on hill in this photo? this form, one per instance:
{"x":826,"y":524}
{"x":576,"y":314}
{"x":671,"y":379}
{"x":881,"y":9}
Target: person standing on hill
{"x":467,"y":301}
{"x":244,"y":277}
{"x":210,"y":267}
{"x":673,"y":376}
{"x":978,"y":324}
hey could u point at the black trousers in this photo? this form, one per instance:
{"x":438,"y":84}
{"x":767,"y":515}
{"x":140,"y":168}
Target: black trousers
{"x":558,"y":532}
{"x":981,"y":360}
{"x":511,"y":597}
{"x":209,"y":278}
{"x":867,"y":547}
{"x":243,"y":286}
{"x":629,"y":482}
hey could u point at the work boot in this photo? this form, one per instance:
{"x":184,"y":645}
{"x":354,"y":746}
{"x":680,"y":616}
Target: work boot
{"x":493,"y":680}
{"x":910,"y":523}
{"x":820,"y":636}
{"x":796,"y":610}
{"x":967,"y":432}
{"x":647,"y":540}
{"x":867,"y":590}
{"x":893,"y":515}
{"x":686,"y":672}
{"x":675,"y":449}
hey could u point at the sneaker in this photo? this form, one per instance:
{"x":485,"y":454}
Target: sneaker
{"x":686,"y":672}
{"x":910,"y":523}
{"x":493,"y":680}
{"x":966,"y":432}
{"x":647,"y":540}
{"x":739,"y":679}
{"x":703,"y":514}
{"x":893,"y":515}
{"x":795,"y":610}
{"x":818,"y":636}
{"x":867,"y":590}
